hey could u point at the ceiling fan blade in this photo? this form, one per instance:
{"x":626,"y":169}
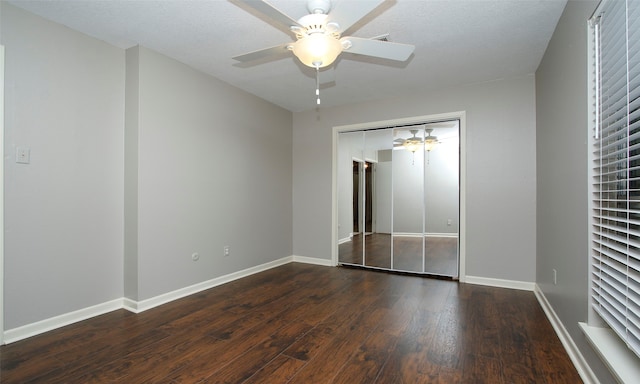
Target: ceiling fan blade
{"x":270,"y":11}
{"x":377,"y":48}
{"x":262,"y":53}
{"x":347,"y":13}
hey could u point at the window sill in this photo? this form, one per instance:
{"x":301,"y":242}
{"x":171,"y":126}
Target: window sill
{"x":622,"y":362}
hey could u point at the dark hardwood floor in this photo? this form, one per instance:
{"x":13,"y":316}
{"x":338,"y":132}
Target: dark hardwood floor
{"x":302,"y":323}
{"x":441,"y":253}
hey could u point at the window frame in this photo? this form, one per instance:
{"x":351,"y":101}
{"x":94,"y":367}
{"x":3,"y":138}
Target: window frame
{"x":607,"y":336}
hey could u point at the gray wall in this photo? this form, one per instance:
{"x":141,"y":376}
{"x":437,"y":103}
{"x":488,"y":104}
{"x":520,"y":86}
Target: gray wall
{"x":500,"y":154}
{"x":561,"y":140}
{"x":205,"y":164}
{"x":131,"y":143}
{"x":63,"y":211}
{"x":214,"y":169}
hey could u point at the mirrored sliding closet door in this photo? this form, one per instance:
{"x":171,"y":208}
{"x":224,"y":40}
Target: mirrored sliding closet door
{"x":398,"y":198}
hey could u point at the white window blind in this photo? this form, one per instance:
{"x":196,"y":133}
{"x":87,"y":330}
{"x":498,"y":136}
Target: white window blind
{"x":615,"y":272}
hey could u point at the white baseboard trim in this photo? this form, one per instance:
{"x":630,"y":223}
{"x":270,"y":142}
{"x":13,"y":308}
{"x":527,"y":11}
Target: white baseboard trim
{"x":426,"y":234}
{"x":584,"y":370}
{"x":144,"y":305}
{"x":407,"y":234}
{"x":313,"y":260}
{"x":345,"y":240}
{"x":39,"y":327}
{"x":33,"y":329}
{"x":449,"y":235}
{"x":500,"y":283}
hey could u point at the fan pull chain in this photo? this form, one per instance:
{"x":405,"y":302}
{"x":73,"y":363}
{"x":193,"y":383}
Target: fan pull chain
{"x":318,"y":85}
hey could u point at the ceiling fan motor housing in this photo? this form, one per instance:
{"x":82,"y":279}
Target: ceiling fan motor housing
{"x":319,"y":6}
{"x":316,"y":23}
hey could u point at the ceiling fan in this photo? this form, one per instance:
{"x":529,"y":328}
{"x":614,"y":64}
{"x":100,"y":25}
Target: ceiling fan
{"x":318,"y":34}
{"x":413,"y":143}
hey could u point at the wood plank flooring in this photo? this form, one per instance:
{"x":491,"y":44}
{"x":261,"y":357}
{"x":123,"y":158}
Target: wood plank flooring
{"x":302,"y":323}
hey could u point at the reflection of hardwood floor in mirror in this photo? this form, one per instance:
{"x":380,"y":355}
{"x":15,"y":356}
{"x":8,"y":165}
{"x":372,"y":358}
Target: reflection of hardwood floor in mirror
{"x":441,"y":253}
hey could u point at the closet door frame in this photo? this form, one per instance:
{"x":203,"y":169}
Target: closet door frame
{"x":461,"y":117}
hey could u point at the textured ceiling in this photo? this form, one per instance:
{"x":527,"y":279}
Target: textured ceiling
{"x":457,"y":42}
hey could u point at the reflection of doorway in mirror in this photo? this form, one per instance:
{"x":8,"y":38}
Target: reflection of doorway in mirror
{"x":357,"y":201}
{"x":368,"y":196}
{"x":363,"y":196}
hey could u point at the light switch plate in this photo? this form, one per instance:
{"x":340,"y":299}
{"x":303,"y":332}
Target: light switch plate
{"x":23,"y":155}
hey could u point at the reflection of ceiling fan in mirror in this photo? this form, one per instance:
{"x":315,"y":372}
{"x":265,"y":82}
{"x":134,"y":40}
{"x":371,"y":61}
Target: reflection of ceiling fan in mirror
{"x":318,"y":34}
{"x":414,"y":142}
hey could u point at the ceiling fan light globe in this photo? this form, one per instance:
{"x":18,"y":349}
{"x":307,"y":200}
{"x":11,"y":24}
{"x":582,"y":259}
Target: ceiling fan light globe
{"x":428,"y":146}
{"x":430,"y":142}
{"x":317,"y":50}
{"x":412,"y":144}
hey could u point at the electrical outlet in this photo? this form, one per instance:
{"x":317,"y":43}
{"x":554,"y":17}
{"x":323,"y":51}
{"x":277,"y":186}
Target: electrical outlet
{"x":227,"y":251}
{"x":555,"y":277}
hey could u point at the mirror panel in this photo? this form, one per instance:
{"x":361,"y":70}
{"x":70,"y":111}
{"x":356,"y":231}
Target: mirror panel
{"x":441,"y":195}
{"x":408,"y":199}
{"x":377,"y":151}
{"x":350,"y":168}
